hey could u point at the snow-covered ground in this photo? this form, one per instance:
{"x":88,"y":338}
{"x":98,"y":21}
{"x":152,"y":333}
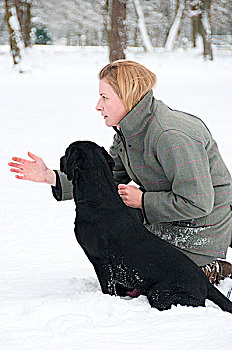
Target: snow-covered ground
{"x":49,"y":295}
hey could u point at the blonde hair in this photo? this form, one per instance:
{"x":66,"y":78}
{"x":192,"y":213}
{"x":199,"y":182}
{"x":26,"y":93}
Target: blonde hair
{"x":130,"y":80}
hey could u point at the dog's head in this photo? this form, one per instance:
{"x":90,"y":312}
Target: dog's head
{"x":81,"y":155}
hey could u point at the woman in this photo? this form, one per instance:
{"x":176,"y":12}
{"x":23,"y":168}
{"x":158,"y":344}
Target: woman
{"x":185,"y":189}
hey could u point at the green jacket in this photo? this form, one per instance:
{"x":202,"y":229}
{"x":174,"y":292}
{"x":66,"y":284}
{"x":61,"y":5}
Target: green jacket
{"x":187,"y":188}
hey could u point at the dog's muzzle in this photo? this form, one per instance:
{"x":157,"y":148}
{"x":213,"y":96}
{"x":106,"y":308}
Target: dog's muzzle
{"x":63,"y":164}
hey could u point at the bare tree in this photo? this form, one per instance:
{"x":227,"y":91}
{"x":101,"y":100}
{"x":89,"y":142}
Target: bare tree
{"x":175,"y":27}
{"x":195,"y":29}
{"x":142,"y":27}
{"x":117,"y":35}
{"x":16,"y":42}
{"x":106,"y":19}
{"x":23,"y":8}
{"x":200,"y":9}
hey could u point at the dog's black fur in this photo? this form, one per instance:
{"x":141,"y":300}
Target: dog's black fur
{"x":125,"y":255}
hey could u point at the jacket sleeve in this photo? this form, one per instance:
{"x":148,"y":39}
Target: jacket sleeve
{"x":119,"y":172}
{"x":186,"y":165}
{"x":63,"y":189}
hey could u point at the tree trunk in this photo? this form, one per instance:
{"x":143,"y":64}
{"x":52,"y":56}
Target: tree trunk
{"x":117,"y":31}
{"x":23,"y":8}
{"x":174,"y":30}
{"x":195,"y":30}
{"x":199,"y":11}
{"x":142,"y":27}
{"x":106,"y":20}
{"x":16,"y":43}
{"x":205,"y":29}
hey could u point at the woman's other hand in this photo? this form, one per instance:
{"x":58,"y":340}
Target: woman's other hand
{"x":131,"y":195}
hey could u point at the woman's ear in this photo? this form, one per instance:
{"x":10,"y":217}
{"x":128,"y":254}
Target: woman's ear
{"x":108,"y":158}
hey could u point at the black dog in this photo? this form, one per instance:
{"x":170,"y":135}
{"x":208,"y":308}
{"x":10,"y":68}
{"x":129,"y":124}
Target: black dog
{"x":125,"y":255}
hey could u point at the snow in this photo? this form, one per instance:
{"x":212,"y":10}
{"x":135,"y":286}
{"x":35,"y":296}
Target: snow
{"x":49,"y":295}
{"x":14,"y":23}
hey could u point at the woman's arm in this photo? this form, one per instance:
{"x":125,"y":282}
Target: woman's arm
{"x":186,"y":165}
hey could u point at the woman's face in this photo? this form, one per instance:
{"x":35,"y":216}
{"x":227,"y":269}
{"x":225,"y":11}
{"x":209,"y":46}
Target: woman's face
{"x":110,"y":105}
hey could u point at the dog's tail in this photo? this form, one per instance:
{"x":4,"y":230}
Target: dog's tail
{"x":218,"y":298}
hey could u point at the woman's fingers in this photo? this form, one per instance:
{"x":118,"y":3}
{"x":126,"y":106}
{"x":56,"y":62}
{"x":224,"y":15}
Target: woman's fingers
{"x":22,"y":160}
{"x":19,"y":160}
{"x":33,"y":156}
{"x":16,"y":165}
{"x":20,"y":171}
{"x":19,"y":177}
{"x":122,"y":186}
{"x":122,"y":189}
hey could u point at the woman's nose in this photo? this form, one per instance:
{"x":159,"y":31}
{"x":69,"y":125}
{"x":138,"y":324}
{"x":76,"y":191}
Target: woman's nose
{"x":98,"y":106}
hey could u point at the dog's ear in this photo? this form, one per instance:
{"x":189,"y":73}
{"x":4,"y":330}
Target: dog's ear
{"x":108,"y":158}
{"x":71,"y":162}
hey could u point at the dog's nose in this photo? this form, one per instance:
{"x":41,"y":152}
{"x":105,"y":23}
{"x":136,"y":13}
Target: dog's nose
{"x":63,"y":164}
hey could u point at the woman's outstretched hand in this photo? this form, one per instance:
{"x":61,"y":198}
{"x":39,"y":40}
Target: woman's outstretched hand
{"x":35,"y":170}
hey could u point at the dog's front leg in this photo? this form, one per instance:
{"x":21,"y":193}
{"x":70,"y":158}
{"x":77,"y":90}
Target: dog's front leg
{"x":105,"y":276}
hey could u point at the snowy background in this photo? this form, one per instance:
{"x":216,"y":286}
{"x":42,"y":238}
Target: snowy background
{"x":49,"y":295}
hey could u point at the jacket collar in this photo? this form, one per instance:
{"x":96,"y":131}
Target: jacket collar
{"x":136,"y":120}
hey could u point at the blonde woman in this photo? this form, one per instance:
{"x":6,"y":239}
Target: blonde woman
{"x":184,"y":188}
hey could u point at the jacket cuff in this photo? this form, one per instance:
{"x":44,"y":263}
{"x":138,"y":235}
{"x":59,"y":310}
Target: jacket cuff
{"x":143,"y":210}
{"x":63,"y":189}
{"x":57,"y":190}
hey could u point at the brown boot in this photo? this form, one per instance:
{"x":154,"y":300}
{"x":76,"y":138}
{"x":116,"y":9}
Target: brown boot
{"x":217,"y":271}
